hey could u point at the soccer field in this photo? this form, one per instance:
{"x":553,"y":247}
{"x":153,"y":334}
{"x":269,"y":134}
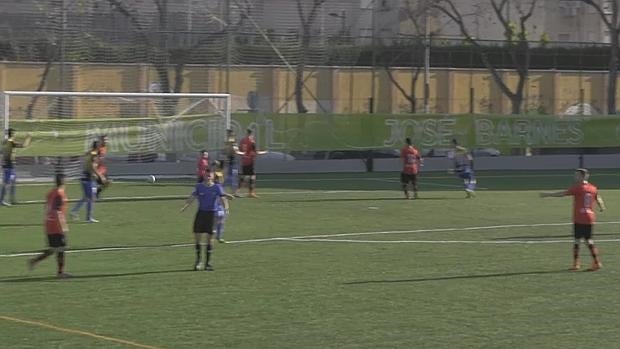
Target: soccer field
{"x":319,"y":261}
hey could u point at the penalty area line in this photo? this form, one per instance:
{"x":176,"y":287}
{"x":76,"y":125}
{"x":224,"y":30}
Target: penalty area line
{"x":77,"y":332}
{"x":430,"y":230}
{"x":330,"y":238}
{"x":478,"y":242}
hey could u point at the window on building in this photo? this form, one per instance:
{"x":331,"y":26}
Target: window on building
{"x":366,"y":33}
{"x":564,"y":37}
{"x":591,"y":37}
{"x":366,"y":4}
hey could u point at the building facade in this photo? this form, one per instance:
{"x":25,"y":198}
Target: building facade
{"x":557,"y":20}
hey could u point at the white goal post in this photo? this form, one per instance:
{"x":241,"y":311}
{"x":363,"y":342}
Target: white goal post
{"x":143,"y":129}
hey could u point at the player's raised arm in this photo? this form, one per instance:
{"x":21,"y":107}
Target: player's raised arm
{"x":188,"y":202}
{"x":555,"y":194}
{"x":25,"y":143}
{"x":28,"y":140}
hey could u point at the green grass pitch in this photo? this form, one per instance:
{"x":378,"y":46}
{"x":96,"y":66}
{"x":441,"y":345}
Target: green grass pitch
{"x":320,"y":261}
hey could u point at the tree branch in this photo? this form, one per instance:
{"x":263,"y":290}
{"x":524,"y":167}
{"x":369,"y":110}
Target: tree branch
{"x":300,"y":12}
{"x":454,"y":14}
{"x":530,"y":12}
{"x":601,"y":13}
{"x":120,"y":6}
{"x":414,"y":16}
{"x":614,"y":14}
{"x":500,"y":15}
{"x":410,"y":98}
{"x":315,"y":6}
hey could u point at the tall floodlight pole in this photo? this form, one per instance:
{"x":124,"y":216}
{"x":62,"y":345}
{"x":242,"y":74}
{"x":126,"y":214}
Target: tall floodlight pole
{"x":63,"y":28}
{"x":373,"y":23}
{"x":427,"y":59}
{"x":228,"y":45}
{"x":60,"y":107}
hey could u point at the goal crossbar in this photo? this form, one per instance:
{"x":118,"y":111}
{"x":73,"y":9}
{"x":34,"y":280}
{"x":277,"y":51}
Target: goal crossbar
{"x":114,"y":94}
{"x":8,"y":94}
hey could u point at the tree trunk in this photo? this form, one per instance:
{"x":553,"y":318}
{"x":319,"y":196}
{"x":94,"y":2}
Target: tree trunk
{"x":168,"y":108}
{"x":414,"y":79}
{"x":517,"y":98}
{"x":299,"y":72}
{"x":517,"y":102}
{"x":42,"y":82}
{"x":613,"y":74}
{"x":178,"y":77}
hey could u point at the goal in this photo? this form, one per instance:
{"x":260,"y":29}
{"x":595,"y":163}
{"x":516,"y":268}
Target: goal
{"x":147,"y":133}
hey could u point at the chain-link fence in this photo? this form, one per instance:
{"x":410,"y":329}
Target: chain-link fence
{"x":280,"y":59}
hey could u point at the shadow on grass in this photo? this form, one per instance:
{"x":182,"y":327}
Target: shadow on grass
{"x":91,"y":276}
{"x":17,"y":225}
{"x":559,"y":236}
{"x":456,"y":277}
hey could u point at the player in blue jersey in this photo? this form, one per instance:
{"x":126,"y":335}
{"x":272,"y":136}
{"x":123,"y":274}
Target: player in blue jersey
{"x":8,"y":166}
{"x":89,"y":184}
{"x":218,"y":178}
{"x":208,"y":194}
{"x":464,"y":168}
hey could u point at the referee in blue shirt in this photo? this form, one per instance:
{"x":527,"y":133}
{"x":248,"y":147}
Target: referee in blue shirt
{"x":209,"y":195}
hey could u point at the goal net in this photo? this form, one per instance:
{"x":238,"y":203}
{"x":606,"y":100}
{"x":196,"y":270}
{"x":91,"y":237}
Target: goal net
{"x":147,"y":133}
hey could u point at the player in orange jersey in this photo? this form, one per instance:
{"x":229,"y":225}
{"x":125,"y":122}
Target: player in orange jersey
{"x":584,"y":196}
{"x":55,"y":227}
{"x":411,"y":159}
{"x":202,"y":165}
{"x":247,"y":141}
{"x":248,"y":160}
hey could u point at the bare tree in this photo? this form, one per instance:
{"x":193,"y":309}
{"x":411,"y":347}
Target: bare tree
{"x":416,"y":13}
{"x":158,"y":45}
{"x":515,"y":35}
{"x":51,"y":18}
{"x":304,"y":48}
{"x":612,"y":23}
{"x":51,"y":54}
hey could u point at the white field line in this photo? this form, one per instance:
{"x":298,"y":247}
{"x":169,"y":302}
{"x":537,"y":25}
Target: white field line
{"x":360,"y":178}
{"x":184,"y":196}
{"x":328,"y":238}
{"x":422,"y":175}
{"x":267,"y":193}
{"x":430,"y":230}
{"x":480,"y":242}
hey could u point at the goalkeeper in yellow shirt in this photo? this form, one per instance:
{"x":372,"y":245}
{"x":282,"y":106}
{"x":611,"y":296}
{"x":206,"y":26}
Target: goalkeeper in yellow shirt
{"x":8,"y":165}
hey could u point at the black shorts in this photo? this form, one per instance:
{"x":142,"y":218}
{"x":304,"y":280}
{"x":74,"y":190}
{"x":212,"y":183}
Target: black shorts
{"x":248,"y":170}
{"x":203,"y":223}
{"x":56,"y":240}
{"x":583,"y":231}
{"x":408,"y":177}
